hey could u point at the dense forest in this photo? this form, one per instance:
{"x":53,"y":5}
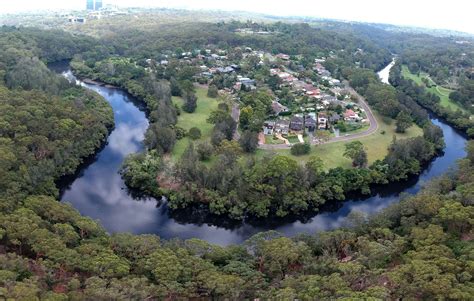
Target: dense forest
{"x":419,"y":248}
{"x":48,"y":125}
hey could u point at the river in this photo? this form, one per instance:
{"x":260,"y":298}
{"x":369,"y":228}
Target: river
{"x":385,"y":72}
{"x":98,"y":191}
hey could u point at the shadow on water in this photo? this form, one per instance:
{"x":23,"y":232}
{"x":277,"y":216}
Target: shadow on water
{"x":200,"y":215}
{"x":65,"y":182}
{"x":98,"y":191}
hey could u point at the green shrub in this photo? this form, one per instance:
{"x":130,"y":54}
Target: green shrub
{"x":300,"y":149}
{"x":194,"y":133}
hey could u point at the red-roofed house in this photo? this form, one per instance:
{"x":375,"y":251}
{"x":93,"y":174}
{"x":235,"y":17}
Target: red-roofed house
{"x":350,"y":115}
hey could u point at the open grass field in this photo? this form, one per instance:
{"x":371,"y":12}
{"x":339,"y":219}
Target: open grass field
{"x":332,"y":153}
{"x":197,"y":119}
{"x":442,"y":92}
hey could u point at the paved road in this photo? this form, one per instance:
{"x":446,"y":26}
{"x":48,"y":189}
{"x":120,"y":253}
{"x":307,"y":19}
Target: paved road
{"x":372,"y":128}
{"x":373,"y":122}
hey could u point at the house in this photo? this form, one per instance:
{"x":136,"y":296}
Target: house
{"x":350,"y":115}
{"x":206,"y":74}
{"x":237,"y":86}
{"x":284,"y":75}
{"x":322,"y":121}
{"x":334,"y":118}
{"x":278,"y":108}
{"x":282,"y":127}
{"x":330,"y":98}
{"x":248,"y":87}
{"x":312,"y":91}
{"x":268,"y":127}
{"x":309,"y":123}
{"x":76,"y":20}
{"x":282,"y":56}
{"x":296,"y":123}
{"x":247,"y":83}
{"x":274,"y":71}
{"x":227,"y":69}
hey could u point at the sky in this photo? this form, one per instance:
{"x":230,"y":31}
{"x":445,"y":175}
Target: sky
{"x":442,"y":14}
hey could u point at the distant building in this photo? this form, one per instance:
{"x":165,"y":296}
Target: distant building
{"x":98,"y":4}
{"x":76,"y":20}
{"x":93,"y":4}
{"x":283,"y":56}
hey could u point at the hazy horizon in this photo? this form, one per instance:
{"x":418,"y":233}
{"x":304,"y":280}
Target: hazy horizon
{"x":452,"y":15}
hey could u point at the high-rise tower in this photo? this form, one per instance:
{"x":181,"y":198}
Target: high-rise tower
{"x":90,"y":5}
{"x":93,"y":4}
{"x":98,"y":4}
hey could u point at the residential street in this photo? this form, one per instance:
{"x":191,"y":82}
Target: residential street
{"x":373,"y":121}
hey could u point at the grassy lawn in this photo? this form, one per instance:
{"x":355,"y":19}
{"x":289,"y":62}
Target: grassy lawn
{"x":197,"y":119}
{"x":442,"y":92}
{"x":293,"y":139}
{"x":269,"y":139}
{"x":363,"y":128}
{"x":332,"y":153}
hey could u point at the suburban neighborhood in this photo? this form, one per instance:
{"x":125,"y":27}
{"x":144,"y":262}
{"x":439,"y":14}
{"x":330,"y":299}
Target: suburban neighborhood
{"x":308,"y":106}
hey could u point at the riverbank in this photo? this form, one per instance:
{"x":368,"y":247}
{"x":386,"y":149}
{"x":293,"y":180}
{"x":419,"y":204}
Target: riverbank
{"x":100,"y":193}
{"x":433,"y":88}
{"x":462,"y":121}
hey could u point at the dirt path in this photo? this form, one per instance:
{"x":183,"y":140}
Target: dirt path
{"x":235,"y":113}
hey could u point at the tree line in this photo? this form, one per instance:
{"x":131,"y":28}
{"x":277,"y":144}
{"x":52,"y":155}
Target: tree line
{"x":459,"y":119}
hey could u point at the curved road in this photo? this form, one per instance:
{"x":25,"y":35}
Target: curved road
{"x":372,"y":128}
{"x":373,"y":121}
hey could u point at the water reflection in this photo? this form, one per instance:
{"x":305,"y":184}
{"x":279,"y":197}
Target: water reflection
{"x":99,"y":192}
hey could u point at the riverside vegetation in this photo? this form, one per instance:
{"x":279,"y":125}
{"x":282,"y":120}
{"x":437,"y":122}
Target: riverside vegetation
{"x":420,"y":248}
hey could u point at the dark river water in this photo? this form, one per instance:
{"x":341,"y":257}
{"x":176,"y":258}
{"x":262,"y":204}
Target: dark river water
{"x":98,"y":191}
